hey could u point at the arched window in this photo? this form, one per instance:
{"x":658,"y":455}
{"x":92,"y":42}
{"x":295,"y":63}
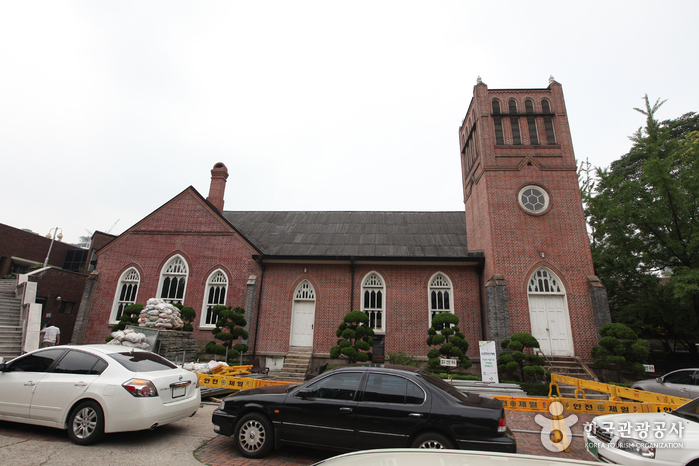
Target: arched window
{"x":544,"y":282}
{"x":514,"y":122}
{"x":173,"y":280}
{"x":531,"y":123}
{"x":215,"y":294}
{"x":497,"y":121}
{"x":373,"y":302}
{"x":126,"y":292}
{"x":548,"y":122}
{"x":440,"y":295}
{"x":305,"y":292}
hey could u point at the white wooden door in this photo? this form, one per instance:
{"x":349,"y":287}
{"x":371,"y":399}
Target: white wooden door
{"x":550,"y":324}
{"x":302,"y":323}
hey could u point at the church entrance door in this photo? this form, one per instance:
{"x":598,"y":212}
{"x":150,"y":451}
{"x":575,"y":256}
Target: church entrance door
{"x":550,"y":324}
{"x":302,"y":323}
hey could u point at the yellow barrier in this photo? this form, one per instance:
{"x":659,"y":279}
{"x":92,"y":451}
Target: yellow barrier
{"x":643,"y":402}
{"x":616,"y":393}
{"x":235,"y":383}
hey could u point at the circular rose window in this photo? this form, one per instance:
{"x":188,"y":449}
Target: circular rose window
{"x":533,"y":199}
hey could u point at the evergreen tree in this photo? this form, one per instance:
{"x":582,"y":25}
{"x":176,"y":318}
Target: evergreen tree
{"x":355,"y":338}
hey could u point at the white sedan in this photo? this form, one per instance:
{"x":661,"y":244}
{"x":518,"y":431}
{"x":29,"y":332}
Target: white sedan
{"x":96,"y":389}
{"x":660,"y":439}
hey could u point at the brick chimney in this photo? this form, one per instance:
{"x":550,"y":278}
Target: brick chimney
{"x":219,"y":174}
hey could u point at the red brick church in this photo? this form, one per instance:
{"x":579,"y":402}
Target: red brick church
{"x":516,"y":260}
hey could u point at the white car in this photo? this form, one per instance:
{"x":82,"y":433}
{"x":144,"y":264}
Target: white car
{"x":96,"y":389}
{"x":660,"y":439}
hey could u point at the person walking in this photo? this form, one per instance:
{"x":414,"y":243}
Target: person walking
{"x":50,"y":336}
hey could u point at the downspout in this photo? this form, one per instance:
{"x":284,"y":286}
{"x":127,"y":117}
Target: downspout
{"x":351,"y":285}
{"x":259,"y":304}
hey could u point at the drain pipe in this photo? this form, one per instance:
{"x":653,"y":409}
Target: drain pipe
{"x":480,"y":301}
{"x":259,"y":304}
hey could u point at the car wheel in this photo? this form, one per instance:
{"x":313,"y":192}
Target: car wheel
{"x":432,"y":440}
{"x":254,"y":436}
{"x":86,"y":423}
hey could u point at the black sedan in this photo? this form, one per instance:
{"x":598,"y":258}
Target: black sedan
{"x":363,"y":407}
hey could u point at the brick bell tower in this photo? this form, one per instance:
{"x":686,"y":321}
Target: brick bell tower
{"x":524,"y":211}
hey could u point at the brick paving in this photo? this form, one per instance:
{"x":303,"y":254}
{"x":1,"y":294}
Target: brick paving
{"x":221,"y":451}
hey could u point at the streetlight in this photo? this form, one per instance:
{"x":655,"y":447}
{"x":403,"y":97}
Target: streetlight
{"x":48,"y":235}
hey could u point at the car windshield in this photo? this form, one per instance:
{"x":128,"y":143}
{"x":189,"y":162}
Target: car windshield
{"x":142,"y":361}
{"x":688,"y":411}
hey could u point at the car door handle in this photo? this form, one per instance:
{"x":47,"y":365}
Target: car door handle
{"x":80,"y":384}
{"x":345,"y":410}
{"x":684,"y":389}
{"x":30,"y":384}
{"x":414,"y":415}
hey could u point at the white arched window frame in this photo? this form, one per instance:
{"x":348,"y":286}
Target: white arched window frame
{"x":173,"y":280}
{"x":544,"y":281}
{"x":214,"y":294}
{"x":126,"y":292}
{"x":440,"y":295}
{"x":305,"y":292}
{"x":374,"y":301}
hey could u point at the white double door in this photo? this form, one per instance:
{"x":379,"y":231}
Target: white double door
{"x":550,"y":324}
{"x":302,"y":323}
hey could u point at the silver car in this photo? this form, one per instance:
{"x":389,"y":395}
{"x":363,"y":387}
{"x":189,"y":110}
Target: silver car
{"x":683,"y":383}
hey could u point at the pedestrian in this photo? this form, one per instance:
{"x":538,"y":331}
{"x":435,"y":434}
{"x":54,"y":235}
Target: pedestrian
{"x":50,"y":336}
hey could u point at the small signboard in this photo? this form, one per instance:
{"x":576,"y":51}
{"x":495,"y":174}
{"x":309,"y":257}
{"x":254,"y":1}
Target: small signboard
{"x":649,"y":367}
{"x":447,"y":362}
{"x":489,"y":362}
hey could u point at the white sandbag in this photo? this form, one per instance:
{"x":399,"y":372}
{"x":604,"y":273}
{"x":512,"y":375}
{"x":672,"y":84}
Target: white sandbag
{"x":118,"y":335}
{"x":114,"y":342}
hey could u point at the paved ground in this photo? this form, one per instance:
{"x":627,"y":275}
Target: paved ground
{"x":193,"y":442}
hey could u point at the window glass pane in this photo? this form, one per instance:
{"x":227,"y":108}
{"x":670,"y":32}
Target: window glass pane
{"x":682,"y":377}
{"x":415,"y":395}
{"x":36,"y":362}
{"x":516,"y":135}
{"x":341,"y":386}
{"x":499,"y":135}
{"x":533,"y":135}
{"x":77,"y":362}
{"x":382,"y":388}
{"x":142,"y":361}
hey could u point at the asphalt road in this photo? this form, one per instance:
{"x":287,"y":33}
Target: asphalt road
{"x":172,"y":444}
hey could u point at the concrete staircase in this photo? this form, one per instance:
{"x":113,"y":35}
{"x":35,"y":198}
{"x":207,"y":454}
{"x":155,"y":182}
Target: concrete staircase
{"x":296,"y":363}
{"x":572,"y":367}
{"x":10,"y":326}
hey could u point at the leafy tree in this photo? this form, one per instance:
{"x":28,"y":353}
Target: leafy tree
{"x":355,"y":338}
{"x":188,"y":314}
{"x":129,"y":316}
{"x":644,"y":219}
{"x":528,"y":365}
{"x":229,"y":327}
{"x":450,"y":342}
{"x":620,"y":349}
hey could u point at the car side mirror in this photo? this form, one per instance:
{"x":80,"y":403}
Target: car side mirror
{"x":660,"y":380}
{"x":304,"y":393}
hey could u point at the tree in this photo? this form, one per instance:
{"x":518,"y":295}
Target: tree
{"x":355,"y":338}
{"x":644,"y":219}
{"x":528,"y":365}
{"x":451,"y":343}
{"x":229,"y":327}
{"x":188,"y":314}
{"x":620,"y":349}
{"x":129,"y":316}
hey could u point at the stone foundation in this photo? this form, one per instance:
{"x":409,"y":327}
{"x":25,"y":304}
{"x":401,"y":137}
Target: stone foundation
{"x":177,"y":346}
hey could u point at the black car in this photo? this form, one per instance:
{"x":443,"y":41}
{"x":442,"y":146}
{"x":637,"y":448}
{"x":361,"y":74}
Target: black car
{"x":362,"y":407}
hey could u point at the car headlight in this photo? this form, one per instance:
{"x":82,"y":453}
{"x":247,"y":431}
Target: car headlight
{"x":638,"y":447}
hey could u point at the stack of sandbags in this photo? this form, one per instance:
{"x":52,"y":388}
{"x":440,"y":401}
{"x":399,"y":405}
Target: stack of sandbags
{"x":212,"y":367}
{"x":161,"y":315}
{"x":130,"y":338}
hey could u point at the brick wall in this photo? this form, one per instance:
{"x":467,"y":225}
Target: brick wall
{"x":52,"y":283}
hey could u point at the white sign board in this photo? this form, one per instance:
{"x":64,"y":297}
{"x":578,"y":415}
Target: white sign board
{"x":649,"y":367}
{"x":447,"y":362}
{"x":489,"y":361}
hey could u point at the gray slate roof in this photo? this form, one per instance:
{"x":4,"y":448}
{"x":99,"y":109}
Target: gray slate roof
{"x":355,"y":234}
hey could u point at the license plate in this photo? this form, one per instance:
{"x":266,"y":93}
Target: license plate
{"x":178,"y":391}
{"x":592,"y":448}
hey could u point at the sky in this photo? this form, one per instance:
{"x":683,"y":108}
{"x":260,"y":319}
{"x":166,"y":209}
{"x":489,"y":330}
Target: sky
{"x":110,"y":109}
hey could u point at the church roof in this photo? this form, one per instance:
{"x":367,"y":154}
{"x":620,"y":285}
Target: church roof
{"x":400,"y":235}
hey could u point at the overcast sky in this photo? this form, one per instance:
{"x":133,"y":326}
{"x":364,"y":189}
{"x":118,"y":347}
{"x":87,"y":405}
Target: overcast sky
{"x":109,"y":109}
